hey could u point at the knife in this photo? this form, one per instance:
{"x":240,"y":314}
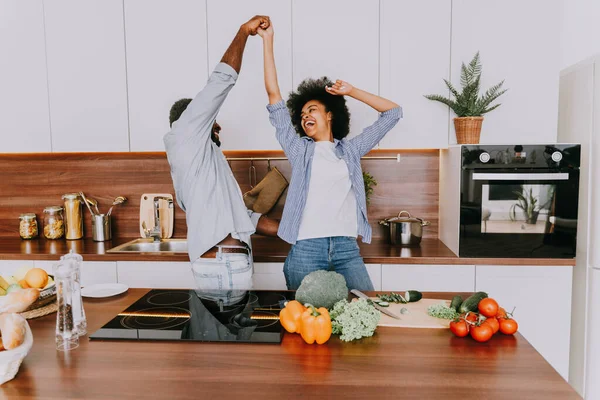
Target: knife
{"x":377,"y":306}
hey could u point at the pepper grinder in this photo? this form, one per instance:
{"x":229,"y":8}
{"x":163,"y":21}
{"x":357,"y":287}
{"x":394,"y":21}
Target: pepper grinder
{"x":66,"y":331}
{"x":72,"y":261}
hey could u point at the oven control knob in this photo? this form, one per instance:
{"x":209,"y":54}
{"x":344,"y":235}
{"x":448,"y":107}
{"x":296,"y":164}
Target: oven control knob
{"x":484,"y":157}
{"x":556,"y":156}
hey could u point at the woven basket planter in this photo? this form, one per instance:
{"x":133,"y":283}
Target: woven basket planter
{"x":468,"y":129}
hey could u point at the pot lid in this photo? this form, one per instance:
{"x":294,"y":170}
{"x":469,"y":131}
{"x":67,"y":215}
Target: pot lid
{"x":404,"y":216}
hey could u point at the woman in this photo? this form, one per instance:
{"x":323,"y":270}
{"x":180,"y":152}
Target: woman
{"x":325,"y":210}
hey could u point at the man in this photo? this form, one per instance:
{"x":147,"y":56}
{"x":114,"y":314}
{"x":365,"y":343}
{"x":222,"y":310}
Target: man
{"x":219,"y":225}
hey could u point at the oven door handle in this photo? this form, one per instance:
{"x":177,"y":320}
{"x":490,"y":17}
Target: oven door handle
{"x":556,"y":176}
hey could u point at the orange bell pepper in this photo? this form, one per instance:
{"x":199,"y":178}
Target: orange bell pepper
{"x":316,"y":325}
{"x":290,"y":316}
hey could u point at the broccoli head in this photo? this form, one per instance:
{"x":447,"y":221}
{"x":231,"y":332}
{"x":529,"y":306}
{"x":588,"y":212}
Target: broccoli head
{"x":354,"y":320}
{"x":322,"y":289}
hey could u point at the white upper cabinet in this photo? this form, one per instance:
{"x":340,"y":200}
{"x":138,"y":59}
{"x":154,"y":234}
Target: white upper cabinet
{"x":24,"y":118}
{"x":519,"y":46}
{"x":415,"y":57}
{"x":244,"y":118}
{"x":166,"y":61}
{"x":86,"y":75}
{"x":338,"y":39}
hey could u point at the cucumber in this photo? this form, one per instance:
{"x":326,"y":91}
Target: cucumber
{"x":383,"y":304}
{"x":413,"y":295}
{"x":471,"y":303}
{"x":456,"y":302}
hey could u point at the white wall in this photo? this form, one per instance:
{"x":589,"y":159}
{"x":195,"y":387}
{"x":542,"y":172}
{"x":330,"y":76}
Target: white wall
{"x":101,"y":75}
{"x":520,"y":47}
{"x":579,"y":31}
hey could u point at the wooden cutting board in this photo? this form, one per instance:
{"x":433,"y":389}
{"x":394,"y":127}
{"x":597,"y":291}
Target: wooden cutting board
{"x":417,"y":315}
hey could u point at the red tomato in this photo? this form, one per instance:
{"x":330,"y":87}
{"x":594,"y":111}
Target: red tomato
{"x":459,"y":328}
{"x":481,"y":333}
{"x":493,"y":322}
{"x":501,"y":313}
{"x":508,"y":326}
{"x":471,"y":317}
{"x":488,"y":307}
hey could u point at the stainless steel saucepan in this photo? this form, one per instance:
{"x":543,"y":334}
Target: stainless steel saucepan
{"x":405,"y":230}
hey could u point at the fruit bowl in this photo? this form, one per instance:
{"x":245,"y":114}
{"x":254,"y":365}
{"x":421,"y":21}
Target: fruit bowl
{"x":10,"y":360}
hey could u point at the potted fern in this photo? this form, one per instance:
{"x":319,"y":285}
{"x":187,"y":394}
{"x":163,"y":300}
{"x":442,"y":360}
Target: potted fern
{"x":468,"y":106}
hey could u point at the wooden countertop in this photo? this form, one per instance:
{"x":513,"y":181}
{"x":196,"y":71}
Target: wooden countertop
{"x":395,"y":362}
{"x":430,"y":251}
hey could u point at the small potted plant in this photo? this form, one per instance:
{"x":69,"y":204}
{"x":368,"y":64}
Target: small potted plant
{"x":468,"y":106}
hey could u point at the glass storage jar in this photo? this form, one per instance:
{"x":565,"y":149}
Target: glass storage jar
{"x":73,"y":216}
{"x":28,"y":226}
{"x":54,"y":226}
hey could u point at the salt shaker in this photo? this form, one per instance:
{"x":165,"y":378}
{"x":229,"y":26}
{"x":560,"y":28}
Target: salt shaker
{"x":66,"y":331}
{"x":73,"y":261}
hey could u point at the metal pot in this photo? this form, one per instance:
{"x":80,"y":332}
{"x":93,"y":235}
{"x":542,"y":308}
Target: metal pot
{"x":405,"y":231}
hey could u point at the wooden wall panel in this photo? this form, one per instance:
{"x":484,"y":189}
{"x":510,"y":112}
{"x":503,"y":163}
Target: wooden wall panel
{"x":30,"y":182}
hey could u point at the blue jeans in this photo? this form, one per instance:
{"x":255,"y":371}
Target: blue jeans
{"x":338,"y":253}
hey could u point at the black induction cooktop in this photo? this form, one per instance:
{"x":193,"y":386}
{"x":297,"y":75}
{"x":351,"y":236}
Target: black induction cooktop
{"x":182,"y":315}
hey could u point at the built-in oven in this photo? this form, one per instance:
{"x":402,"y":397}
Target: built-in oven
{"x":519,"y":201}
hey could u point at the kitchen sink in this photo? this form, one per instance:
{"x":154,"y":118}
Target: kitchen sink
{"x":150,"y":246}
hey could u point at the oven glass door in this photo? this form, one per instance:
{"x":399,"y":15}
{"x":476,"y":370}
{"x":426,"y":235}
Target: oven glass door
{"x":508,"y":214}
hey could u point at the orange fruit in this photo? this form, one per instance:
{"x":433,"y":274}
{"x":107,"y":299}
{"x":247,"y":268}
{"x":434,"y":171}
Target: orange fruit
{"x":23,"y":284}
{"x":36,"y":278}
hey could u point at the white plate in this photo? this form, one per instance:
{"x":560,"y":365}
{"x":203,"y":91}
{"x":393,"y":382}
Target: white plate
{"x":104,"y":290}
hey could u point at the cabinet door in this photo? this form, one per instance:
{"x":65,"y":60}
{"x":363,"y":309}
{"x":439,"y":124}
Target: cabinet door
{"x":92,"y":272}
{"x":9,"y":267}
{"x":374,"y":271}
{"x":515,"y":49}
{"x":166,"y":61}
{"x":523,"y":288}
{"x":339,"y":39}
{"x":155,"y":275}
{"x":85,"y":47}
{"x":268,"y":276}
{"x":428,"y":278}
{"x":575,"y":125}
{"x":24,"y":115}
{"x":415,"y":57}
{"x":243,"y":118}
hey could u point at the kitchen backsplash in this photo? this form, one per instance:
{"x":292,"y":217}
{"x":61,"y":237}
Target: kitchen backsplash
{"x":31,"y":182}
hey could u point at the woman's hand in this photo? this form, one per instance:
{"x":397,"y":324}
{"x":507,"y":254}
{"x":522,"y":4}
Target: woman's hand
{"x":266,"y":33}
{"x":339,"y":88}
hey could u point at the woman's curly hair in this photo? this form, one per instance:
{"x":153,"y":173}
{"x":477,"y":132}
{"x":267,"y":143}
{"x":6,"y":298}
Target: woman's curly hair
{"x":314,"y":89}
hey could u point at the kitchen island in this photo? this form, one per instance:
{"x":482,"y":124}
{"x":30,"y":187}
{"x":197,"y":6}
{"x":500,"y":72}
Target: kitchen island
{"x":394,"y":363}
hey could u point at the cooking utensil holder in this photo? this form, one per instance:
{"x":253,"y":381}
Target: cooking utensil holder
{"x":101,"y":227}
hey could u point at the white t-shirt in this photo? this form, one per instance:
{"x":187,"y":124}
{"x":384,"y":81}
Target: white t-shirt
{"x":330,"y":208}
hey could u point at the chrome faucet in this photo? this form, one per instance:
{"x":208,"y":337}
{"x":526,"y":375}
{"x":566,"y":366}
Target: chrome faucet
{"x":155,"y":231}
